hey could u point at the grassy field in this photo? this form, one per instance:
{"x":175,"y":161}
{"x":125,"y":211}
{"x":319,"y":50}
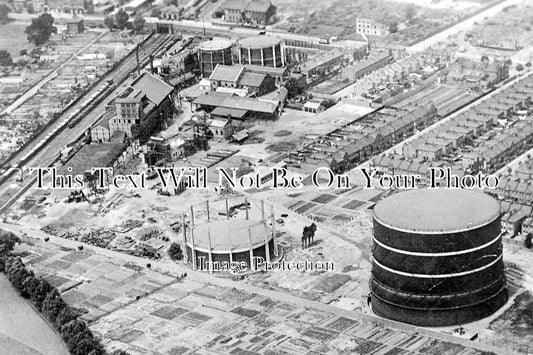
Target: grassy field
{"x":13,"y":38}
{"x":337,"y":17}
{"x":22,"y":330}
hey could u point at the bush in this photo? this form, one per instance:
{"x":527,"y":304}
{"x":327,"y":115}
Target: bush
{"x":7,"y":242}
{"x":519,"y":67}
{"x":175,"y":252}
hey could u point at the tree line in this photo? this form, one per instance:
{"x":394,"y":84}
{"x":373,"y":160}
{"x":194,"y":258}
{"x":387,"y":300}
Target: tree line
{"x":46,"y":299}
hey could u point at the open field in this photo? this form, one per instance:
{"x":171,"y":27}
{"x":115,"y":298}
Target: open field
{"x":416,"y":19}
{"x":13,"y":38}
{"x":22,"y":330}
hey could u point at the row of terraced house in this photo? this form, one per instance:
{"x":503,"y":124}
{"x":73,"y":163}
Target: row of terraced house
{"x":478,"y":123}
{"x":346,"y":147}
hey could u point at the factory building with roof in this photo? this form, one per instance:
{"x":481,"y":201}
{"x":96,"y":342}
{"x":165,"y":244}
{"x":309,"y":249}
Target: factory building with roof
{"x":254,"y":108}
{"x":238,"y":77}
{"x":255,"y":12}
{"x":437,"y":257}
{"x":138,"y":110}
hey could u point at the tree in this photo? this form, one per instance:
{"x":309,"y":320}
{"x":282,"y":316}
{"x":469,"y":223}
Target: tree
{"x":109,"y":22}
{"x":41,"y":29}
{"x":294,"y":87}
{"x":528,"y":241}
{"x":30,"y":8}
{"x":5,"y":58}
{"x":484,"y":59}
{"x":138,"y":24}
{"x":43,"y":289}
{"x":4,"y":12}
{"x":175,"y":252}
{"x":393,"y":27}
{"x":53,"y":304}
{"x":65,"y":316}
{"x":328,"y":103}
{"x":519,"y":67}
{"x":7,"y":242}
{"x":29,"y":286}
{"x":410,"y":12}
{"x":528,"y":64}
{"x":219,"y":13}
{"x":121,"y":19}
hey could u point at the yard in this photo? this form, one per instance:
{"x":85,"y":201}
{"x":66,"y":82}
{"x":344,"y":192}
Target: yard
{"x":13,"y":38}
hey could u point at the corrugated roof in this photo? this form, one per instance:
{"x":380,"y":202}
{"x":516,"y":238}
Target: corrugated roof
{"x":226,"y":73}
{"x":216,"y":100}
{"x":225,"y":112}
{"x":252,"y":79}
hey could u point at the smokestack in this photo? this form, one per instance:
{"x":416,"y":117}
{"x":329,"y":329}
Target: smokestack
{"x":137,"y":57}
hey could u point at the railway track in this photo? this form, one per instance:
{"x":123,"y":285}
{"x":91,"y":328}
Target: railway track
{"x":44,"y":149}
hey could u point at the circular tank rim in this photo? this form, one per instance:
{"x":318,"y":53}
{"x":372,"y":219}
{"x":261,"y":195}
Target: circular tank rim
{"x":259,"y":42}
{"x":449,"y":210}
{"x":215,"y":45}
{"x":230,"y":234}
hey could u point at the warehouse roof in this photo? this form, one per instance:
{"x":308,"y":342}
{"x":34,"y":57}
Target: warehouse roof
{"x":241,"y":103}
{"x":228,"y":112}
{"x":154,"y":88}
{"x":437,"y":210}
{"x":227,"y":73}
{"x":252,"y":79}
{"x":94,"y":156}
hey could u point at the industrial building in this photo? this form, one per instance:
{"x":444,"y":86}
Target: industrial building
{"x":437,"y":257}
{"x":266,"y":51}
{"x":214,"y":52}
{"x":238,"y":77}
{"x":254,"y":12}
{"x":138,"y":110}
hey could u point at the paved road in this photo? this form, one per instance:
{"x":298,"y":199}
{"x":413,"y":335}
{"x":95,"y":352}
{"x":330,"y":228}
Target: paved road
{"x":169,"y":267}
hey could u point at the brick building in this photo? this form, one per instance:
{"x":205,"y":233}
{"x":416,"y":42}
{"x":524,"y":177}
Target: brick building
{"x":256,"y":12}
